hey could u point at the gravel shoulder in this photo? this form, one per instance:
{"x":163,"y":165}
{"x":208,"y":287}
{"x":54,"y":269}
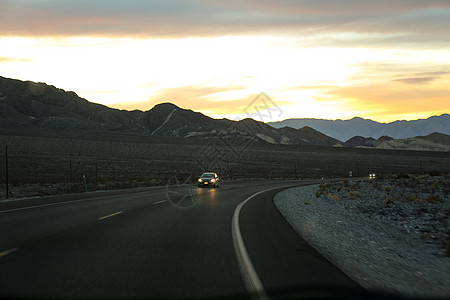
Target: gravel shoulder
{"x":388,"y":235}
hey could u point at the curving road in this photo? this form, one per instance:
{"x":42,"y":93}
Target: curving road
{"x":177,"y":242}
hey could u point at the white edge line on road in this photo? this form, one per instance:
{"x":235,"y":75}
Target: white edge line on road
{"x":6,"y":252}
{"x":159,"y":202}
{"x":251,"y":279}
{"x":49,"y":204}
{"x":111,"y":215}
{"x":64,"y":202}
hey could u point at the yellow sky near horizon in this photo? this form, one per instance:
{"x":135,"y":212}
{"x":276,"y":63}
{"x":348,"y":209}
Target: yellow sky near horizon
{"x":220,"y":75}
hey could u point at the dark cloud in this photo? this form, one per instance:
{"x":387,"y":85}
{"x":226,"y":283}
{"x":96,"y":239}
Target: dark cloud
{"x":422,"y":19}
{"x":422,"y":78}
{"x":417,"y":80}
{"x":435,"y":73}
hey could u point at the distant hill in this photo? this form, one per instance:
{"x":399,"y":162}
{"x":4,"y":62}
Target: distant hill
{"x":432,"y":142}
{"x":436,"y":137}
{"x":38,"y":108}
{"x":359,"y":141}
{"x":343,"y":130}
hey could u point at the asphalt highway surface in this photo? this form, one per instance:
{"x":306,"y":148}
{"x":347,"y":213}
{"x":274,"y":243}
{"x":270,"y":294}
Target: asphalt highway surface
{"x":179,"y":241}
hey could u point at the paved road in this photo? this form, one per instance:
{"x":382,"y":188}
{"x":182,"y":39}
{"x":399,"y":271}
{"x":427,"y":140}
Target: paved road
{"x":139,"y":244}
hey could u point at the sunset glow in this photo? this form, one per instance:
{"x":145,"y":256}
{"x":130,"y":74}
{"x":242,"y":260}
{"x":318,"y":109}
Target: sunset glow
{"x":392,"y":64}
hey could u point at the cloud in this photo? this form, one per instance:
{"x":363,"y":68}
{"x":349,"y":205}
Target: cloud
{"x":5,"y":59}
{"x":435,"y":73}
{"x":200,"y":98}
{"x":417,"y":80}
{"x":412,"y":21}
{"x":382,"y":99}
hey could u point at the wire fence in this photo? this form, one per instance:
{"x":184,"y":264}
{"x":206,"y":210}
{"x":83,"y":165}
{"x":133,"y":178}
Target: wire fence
{"x":125,"y":167}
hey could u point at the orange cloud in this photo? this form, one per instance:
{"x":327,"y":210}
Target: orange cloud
{"x":384,"y":102}
{"x":200,"y":98}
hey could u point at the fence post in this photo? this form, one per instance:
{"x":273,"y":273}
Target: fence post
{"x":85,"y":186}
{"x":6,"y":171}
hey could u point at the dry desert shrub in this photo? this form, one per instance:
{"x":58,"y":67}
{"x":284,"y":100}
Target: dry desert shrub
{"x":412,"y":198}
{"x":388,"y":189}
{"x":332,"y":197}
{"x":432,"y":199}
{"x":354,"y":194}
{"x":390,"y":199}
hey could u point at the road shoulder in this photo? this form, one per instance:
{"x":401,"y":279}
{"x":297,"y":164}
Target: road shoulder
{"x":378,"y":258}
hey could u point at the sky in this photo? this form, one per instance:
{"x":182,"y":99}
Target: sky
{"x":383,"y":60}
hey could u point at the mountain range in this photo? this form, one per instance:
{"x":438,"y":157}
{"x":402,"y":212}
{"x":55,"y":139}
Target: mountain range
{"x":39,"y":109}
{"x":344,"y":130}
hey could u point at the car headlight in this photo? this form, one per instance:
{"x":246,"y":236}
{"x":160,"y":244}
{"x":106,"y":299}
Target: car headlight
{"x":212,"y":180}
{"x":200,"y":180}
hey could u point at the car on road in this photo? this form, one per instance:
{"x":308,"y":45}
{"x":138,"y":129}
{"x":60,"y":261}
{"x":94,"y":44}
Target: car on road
{"x":208,"y":179}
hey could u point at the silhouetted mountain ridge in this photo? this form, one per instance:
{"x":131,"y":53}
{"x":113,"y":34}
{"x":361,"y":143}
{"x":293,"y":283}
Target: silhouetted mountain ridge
{"x":37,"y":107}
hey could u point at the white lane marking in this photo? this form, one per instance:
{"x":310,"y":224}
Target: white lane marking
{"x":159,"y":202}
{"x":6,"y":252}
{"x":251,"y":279}
{"x":111,"y":215}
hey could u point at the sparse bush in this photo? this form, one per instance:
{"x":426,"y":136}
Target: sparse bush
{"x":324,"y":186}
{"x":333,"y":197}
{"x":434,"y":187}
{"x":425,"y":236}
{"x":411,"y":198}
{"x":322,"y":189}
{"x":390,"y":199}
{"x":432,"y":199}
{"x":388,"y":189}
{"x":413,"y":183}
{"x":354,"y":194}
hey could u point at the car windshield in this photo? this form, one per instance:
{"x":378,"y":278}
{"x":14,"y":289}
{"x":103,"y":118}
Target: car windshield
{"x":208,"y":175}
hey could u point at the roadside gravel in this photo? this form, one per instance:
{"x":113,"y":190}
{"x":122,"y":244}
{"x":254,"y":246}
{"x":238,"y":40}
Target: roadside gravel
{"x":382,"y":235}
